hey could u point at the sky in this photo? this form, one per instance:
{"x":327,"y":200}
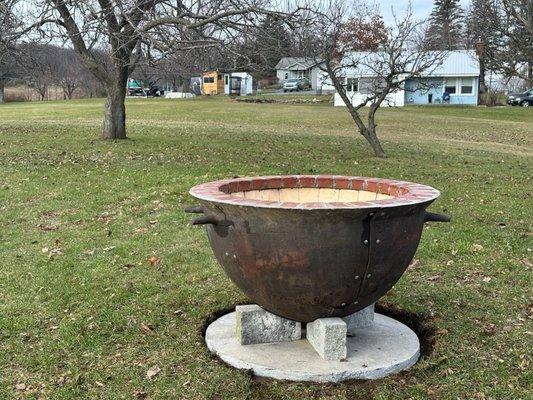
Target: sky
{"x":421,"y":8}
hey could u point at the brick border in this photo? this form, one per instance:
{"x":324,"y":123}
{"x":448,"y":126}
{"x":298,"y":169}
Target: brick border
{"x":404,"y":192}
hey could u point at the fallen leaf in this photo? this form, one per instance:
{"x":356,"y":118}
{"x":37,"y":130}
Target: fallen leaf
{"x":55,"y":252}
{"x":20,"y":386}
{"x":413,"y":264}
{"x":153,"y":260}
{"x":477,"y":247}
{"x":45,"y":228}
{"x":435,"y":278}
{"x":489,"y":329}
{"x":487,"y":279}
{"x":442,"y":332}
{"x":153,"y":371}
{"x":147,"y":329}
{"x":139,"y":394}
{"x":100,"y":384}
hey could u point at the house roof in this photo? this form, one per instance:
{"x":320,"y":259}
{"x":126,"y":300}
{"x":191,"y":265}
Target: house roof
{"x":296,"y":63}
{"x":455,"y":63}
{"x":459,"y":62}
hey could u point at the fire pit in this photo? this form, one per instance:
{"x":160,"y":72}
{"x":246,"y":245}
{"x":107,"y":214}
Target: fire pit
{"x":309,"y":247}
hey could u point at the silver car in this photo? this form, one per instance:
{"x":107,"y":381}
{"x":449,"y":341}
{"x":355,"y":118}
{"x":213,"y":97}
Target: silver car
{"x":292,"y":85}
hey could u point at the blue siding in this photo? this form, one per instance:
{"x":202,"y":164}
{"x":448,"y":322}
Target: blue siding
{"x":419,"y":90}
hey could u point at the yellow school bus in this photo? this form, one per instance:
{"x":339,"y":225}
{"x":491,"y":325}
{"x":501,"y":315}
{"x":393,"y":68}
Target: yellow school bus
{"x":212,"y":82}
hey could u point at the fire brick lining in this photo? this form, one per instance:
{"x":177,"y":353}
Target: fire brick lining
{"x":398,"y":193}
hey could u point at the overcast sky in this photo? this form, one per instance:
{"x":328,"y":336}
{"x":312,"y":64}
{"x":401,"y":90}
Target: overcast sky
{"x":421,"y":8}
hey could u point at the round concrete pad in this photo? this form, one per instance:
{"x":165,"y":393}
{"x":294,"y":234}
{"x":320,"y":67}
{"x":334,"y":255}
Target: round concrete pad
{"x":383,"y":349}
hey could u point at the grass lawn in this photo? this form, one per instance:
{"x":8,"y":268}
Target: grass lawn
{"x":101,"y":279}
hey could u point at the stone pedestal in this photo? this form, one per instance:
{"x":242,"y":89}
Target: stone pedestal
{"x":360,"y":319}
{"x":328,"y":337}
{"x":255,"y":325}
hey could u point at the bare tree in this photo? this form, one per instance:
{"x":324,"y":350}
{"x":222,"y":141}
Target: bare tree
{"x":39,"y":66}
{"x":521,"y":11}
{"x":8,"y":38}
{"x":368,"y":63}
{"x":483,"y":26}
{"x":515,"y":57}
{"x":69,"y":72}
{"x":124,"y":25}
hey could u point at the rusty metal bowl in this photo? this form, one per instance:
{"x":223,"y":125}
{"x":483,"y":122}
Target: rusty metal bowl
{"x":307,"y":247}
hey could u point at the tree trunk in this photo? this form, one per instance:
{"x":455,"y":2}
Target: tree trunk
{"x":529,"y":74}
{"x":115,"y":108}
{"x":2,"y":86}
{"x":482,"y":85}
{"x":370,"y":132}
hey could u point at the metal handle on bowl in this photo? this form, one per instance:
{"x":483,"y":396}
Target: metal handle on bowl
{"x":196,"y":209}
{"x":434,"y":217}
{"x":204,"y":219}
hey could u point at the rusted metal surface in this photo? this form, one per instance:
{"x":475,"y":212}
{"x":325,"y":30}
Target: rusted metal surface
{"x":305,"y":264}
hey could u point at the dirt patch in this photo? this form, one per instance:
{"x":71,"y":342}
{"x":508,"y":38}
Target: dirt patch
{"x":420,"y":323}
{"x":281,"y":100}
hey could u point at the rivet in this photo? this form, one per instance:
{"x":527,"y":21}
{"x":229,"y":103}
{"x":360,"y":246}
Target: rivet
{"x":356,"y":276}
{"x":371,"y":214}
{"x":369,"y":275}
{"x":343,"y":305}
{"x":365,"y":241}
{"x":378,"y":241}
{"x":356,"y":302}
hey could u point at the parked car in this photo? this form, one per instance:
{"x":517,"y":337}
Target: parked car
{"x":296,"y":84}
{"x":292,"y":85}
{"x":521,"y":99}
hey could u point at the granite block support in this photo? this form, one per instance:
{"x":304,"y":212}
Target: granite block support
{"x":328,"y":337}
{"x":360,"y":319}
{"x":255,"y":325}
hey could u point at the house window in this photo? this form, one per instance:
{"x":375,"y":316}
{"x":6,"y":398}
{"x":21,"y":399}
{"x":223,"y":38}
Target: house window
{"x":352,"y":84}
{"x":450,"y":86}
{"x":467,"y":86}
{"x":209,"y":79}
{"x":225,"y":79}
{"x":286,"y":75}
{"x":219,"y":77}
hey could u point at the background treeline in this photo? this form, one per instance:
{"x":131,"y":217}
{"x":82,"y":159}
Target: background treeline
{"x":499,"y":30}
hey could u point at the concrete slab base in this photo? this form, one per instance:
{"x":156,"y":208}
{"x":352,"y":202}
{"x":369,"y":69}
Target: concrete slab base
{"x":386,"y":347}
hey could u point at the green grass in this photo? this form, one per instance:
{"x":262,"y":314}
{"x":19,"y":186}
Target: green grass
{"x":80,"y":218}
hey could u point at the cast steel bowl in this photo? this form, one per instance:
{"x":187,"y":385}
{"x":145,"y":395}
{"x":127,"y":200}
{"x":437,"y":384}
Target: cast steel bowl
{"x":307,"y":247}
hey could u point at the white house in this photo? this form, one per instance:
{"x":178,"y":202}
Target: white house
{"x":299,"y":67}
{"x":454,"y":81}
{"x":238,"y":83}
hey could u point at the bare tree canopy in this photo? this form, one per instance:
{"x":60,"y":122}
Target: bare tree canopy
{"x":358,"y":49}
{"x":133,"y":29}
{"x":8,"y":37}
{"x":502,"y":31}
